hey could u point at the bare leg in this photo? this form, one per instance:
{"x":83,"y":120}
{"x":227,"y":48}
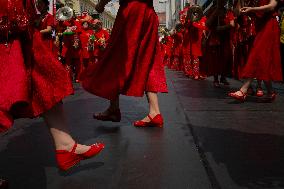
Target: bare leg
{"x":154,"y":108}
{"x":56,"y":122}
{"x":245,"y":87}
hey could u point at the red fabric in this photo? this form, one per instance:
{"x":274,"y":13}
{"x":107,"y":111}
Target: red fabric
{"x":32,"y":81}
{"x":132,"y":63}
{"x":102,"y":38}
{"x":48,"y":20}
{"x":218,"y":56}
{"x":264,"y":61}
{"x":84,"y":39}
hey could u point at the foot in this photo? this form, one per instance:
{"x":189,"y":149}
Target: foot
{"x":239,"y":95}
{"x":113,"y":115}
{"x":196,"y":78}
{"x":149,"y":121}
{"x":272,"y":96}
{"x":259,"y":92}
{"x":68,"y":159}
{"x":216,"y":84}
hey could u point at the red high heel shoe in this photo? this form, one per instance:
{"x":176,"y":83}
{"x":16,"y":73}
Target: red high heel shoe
{"x":114,"y":116}
{"x":241,"y":98}
{"x":157,"y":121}
{"x":67,"y":160}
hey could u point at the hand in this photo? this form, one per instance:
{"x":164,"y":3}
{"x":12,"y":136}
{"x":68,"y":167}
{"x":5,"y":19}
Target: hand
{"x":246,"y":9}
{"x":100,"y":8}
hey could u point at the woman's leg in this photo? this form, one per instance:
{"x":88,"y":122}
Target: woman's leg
{"x":56,"y":122}
{"x":154,"y":108}
{"x":245,"y":87}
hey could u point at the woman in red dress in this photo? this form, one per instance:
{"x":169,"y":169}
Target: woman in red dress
{"x":33,"y":82}
{"x":132,"y":63}
{"x":264,"y":62}
{"x":71,"y":48}
{"x":218,"y":51}
{"x":177,"y":48}
{"x":87,"y":40}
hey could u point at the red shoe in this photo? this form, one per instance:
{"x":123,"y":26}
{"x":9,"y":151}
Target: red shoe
{"x":241,"y":98}
{"x":272,"y":96}
{"x":114,"y":116}
{"x":67,"y":160}
{"x":259,"y":92}
{"x":157,"y":121}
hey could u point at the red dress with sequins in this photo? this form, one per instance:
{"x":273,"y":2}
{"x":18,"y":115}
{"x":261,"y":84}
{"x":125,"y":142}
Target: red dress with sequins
{"x":32,"y":81}
{"x":264,"y":61}
{"x":132,"y":62}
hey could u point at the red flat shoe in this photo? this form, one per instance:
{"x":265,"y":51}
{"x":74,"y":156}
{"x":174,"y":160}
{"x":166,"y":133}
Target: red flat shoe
{"x":114,"y":116}
{"x":241,"y":98}
{"x":157,"y":121}
{"x":67,"y":160}
{"x":272,"y":96}
{"x":259,"y":92}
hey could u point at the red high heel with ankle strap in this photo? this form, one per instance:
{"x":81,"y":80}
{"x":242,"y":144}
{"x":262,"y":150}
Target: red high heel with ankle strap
{"x":241,"y":98}
{"x":67,"y":160}
{"x":157,"y":121}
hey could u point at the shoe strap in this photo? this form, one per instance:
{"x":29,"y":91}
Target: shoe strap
{"x":242,"y":93}
{"x":74,"y":148}
{"x":151,"y":119}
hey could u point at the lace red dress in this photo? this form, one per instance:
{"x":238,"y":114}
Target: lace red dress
{"x":32,"y":81}
{"x":264,"y":61}
{"x":132,"y":62}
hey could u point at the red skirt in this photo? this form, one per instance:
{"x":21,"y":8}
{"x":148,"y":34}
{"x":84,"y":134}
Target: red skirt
{"x":132,"y":62}
{"x":264,"y":61}
{"x":32,"y":81}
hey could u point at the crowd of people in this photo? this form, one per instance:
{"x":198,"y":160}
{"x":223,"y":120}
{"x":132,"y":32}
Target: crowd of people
{"x":239,"y":40}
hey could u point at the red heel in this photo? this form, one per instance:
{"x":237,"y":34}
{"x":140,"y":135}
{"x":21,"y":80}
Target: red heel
{"x":157,"y":121}
{"x":67,"y":160}
{"x":241,"y":98}
{"x":114,"y":116}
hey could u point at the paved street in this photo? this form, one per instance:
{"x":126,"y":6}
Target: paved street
{"x":209,"y":141}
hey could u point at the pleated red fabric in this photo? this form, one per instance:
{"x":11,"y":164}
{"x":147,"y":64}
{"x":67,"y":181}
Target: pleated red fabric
{"x":264,"y":61}
{"x":32,"y":80}
{"x":132,"y":62}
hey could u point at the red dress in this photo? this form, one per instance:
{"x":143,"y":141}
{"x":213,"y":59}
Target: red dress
{"x":102,"y":37}
{"x":264,"y":61}
{"x":168,"y":50}
{"x":46,"y":38}
{"x":84,"y":39}
{"x":32,"y":81}
{"x":177,"y":51}
{"x":218,"y":58}
{"x":132,"y":62}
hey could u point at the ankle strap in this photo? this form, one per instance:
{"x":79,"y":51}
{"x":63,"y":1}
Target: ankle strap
{"x":151,"y":119}
{"x":74,"y":148}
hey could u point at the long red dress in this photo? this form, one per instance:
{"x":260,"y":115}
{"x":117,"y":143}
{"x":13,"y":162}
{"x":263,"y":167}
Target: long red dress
{"x":218,"y":58}
{"x":177,"y":51}
{"x":32,"y":81}
{"x":132,"y":62}
{"x":264,"y":61}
